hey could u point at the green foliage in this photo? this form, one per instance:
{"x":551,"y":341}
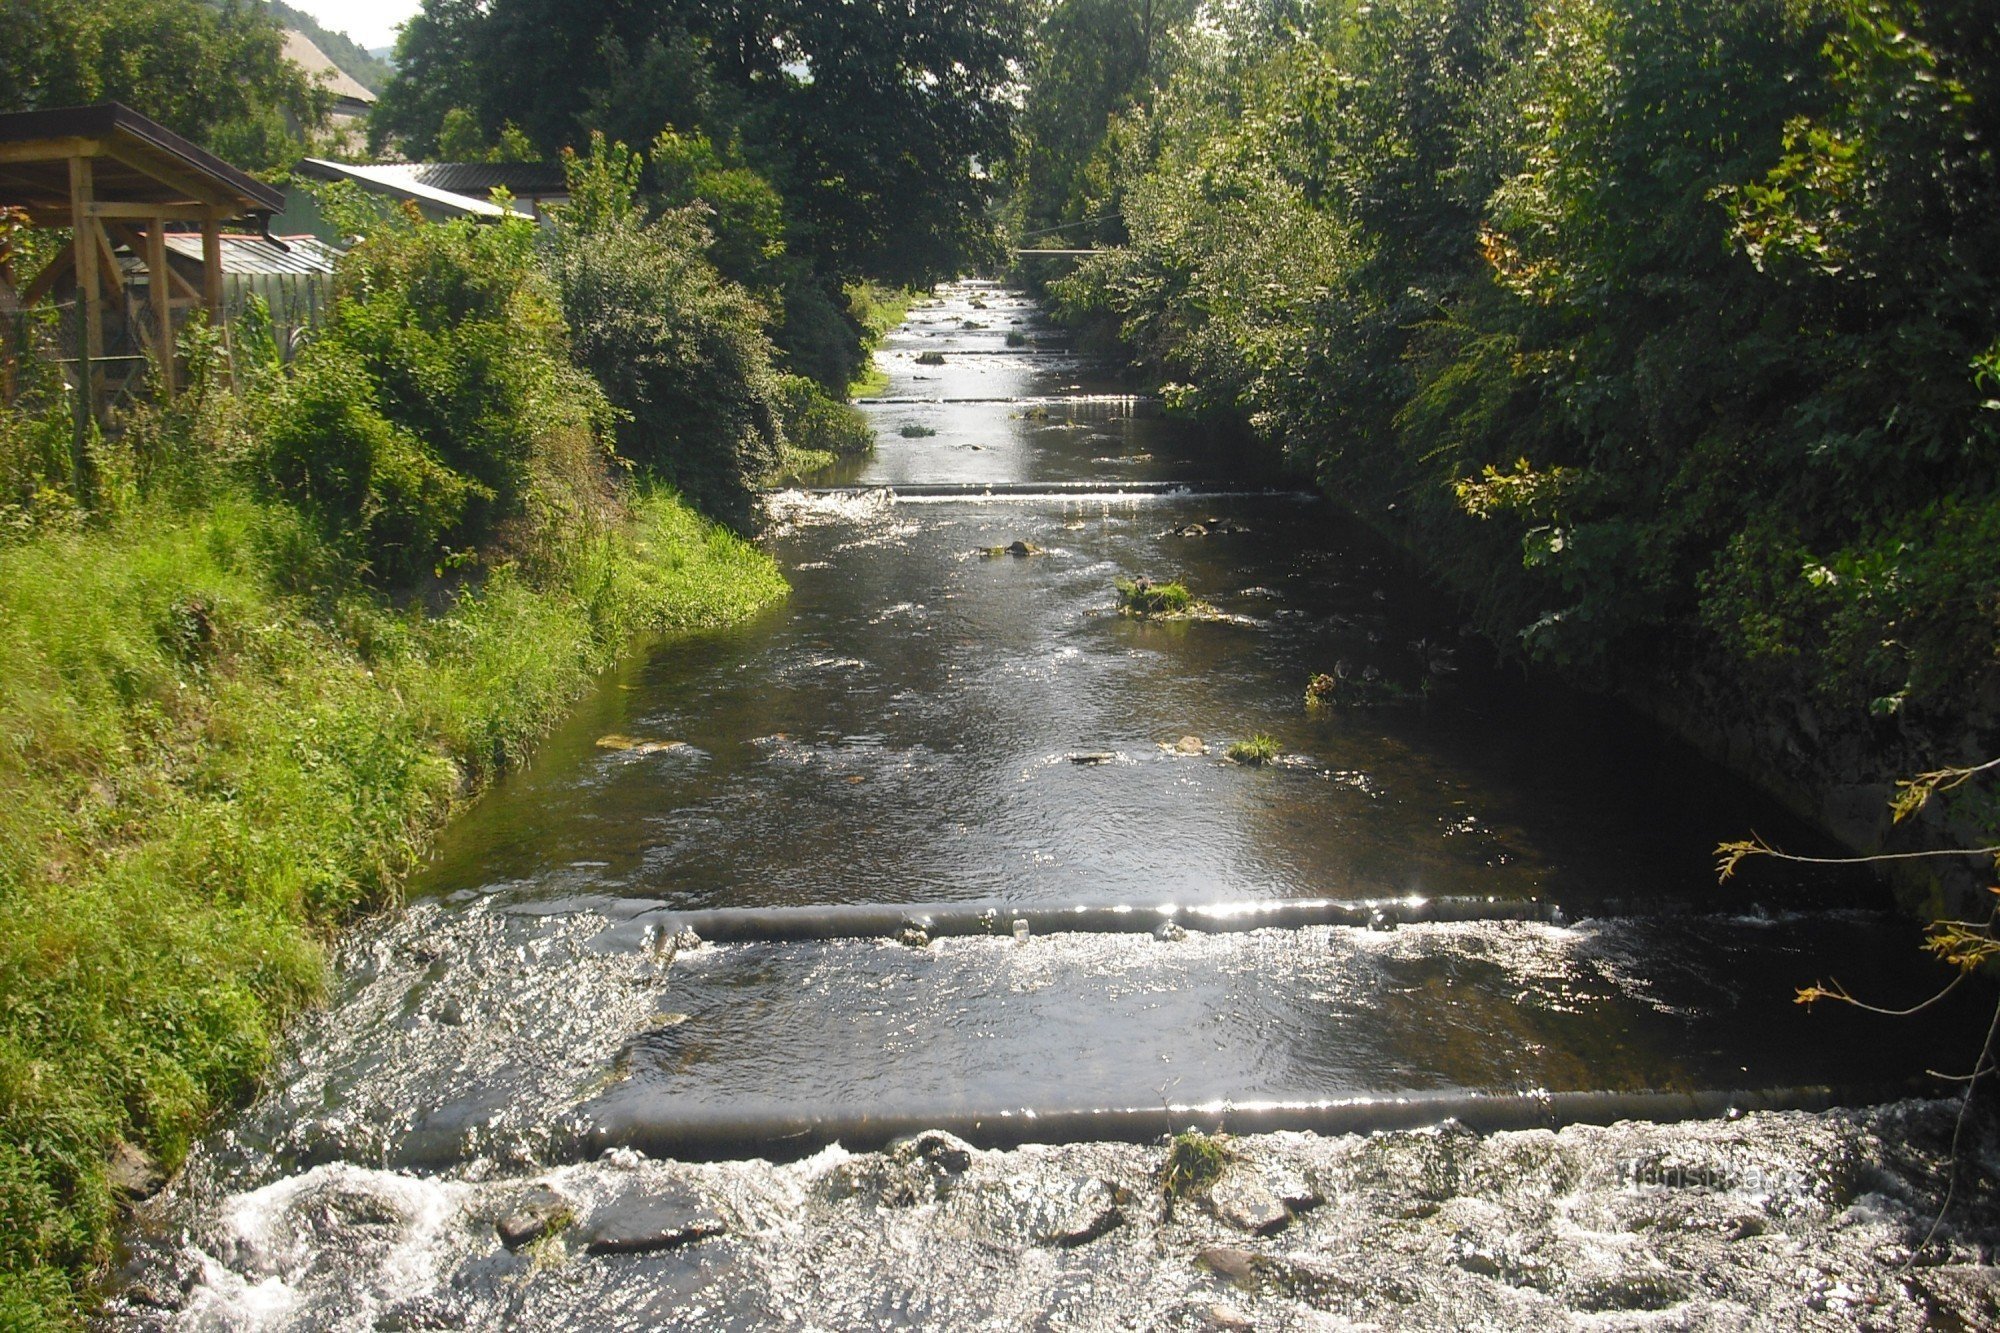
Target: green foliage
{"x":169,"y":704}
{"x":210,"y":643}
{"x":680,"y":352}
{"x":814,"y":421}
{"x":875,"y":123}
{"x":215,"y":74}
{"x":1143,"y":597}
{"x":1665,"y":328}
{"x":437,"y":399}
{"x":1194,"y":1162}
{"x":1255,"y":750}
{"x":1089,"y":62}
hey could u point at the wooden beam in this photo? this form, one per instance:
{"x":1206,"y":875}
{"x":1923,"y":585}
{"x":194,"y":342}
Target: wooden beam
{"x":159,"y":289}
{"x":134,"y":239}
{"x":50,"y":275}
{"x":83,"y":234}
{"x":147,"y":212}
{"x":51,"y":151}
{"x":107,"y":255}
{"x":211,"y":264}
{"x":191,"y":187}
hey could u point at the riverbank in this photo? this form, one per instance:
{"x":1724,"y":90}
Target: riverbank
{"x":206,"y":769}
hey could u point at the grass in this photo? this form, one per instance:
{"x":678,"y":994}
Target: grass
{"x":876,"y":310}
{"x":203,"y":771}
{"x":1254,"y":750}
{"x":1194,"y":1162}
{"x":911,"y":430}
{"x":871,"y":382}
{"x":1143,"y":597}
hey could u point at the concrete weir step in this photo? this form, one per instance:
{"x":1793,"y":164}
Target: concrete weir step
{"x":662,"y":1129}
{"x":772,"y":925}
{"x":1057,"y":490}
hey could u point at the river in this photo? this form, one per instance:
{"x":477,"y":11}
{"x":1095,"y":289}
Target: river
{"x":947,"y":841}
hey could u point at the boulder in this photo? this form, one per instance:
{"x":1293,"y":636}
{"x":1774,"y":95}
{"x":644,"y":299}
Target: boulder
{"x":133,"y":1174}
{"x":644,"y":1220}
{"x":1245,"y":1204}
{"x":532,"y":1217}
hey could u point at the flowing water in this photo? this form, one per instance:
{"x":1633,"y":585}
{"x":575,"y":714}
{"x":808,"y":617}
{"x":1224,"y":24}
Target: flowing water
{"x":947,"y":840}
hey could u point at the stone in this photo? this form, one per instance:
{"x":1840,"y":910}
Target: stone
{"x":1230,"y":1264}
{"x":1021,"y":548}
{"x":936,"y":1149}
{"x":1094,"y":757}
{"x":915,"y":937}
{"x":1245,"y":1204}
{"x":1170,"y":932}
{"x":532,"y":1217}
{"x":1087,"y":1214}
{"x":132,"y":1173}
{"x":148,"y":1297}
{"x":643,"y":1221}
{"x":1227,"y":1317}
{"x":1190,"y":745}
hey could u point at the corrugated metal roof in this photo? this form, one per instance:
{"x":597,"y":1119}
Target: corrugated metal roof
{"x":479,"y":179}
{"x":401,"y":179}
{"x":254,"y":254}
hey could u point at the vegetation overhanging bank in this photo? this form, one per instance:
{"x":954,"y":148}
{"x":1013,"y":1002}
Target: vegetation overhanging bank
{"x":1667,"y":332}
{"x":279,"y":631}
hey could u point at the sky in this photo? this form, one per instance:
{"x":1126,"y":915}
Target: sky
{"x":372,"y":23}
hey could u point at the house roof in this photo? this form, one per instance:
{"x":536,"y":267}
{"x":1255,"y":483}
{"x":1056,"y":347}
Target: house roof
{"x":523,"y":180}
{"x":304,"y":52}
{"x":135,"y":162}
{"x":402,"y":180}
{"x":255,"y":254}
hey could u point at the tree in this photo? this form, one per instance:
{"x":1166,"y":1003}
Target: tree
{"x":212,"y":73}
{"x":878,"y":122}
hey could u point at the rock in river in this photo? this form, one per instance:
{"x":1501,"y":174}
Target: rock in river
{"x":1245,"y":1204}
{"x":644,"y":1220}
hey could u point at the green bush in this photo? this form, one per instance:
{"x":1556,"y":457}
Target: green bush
{"x":815,"y":421}
{"x":417,"y":426}
{"x":1665,"y":330}
{"x":1254,"y":750}
{"x":1143,"y":597}
{"x":679,"y":351}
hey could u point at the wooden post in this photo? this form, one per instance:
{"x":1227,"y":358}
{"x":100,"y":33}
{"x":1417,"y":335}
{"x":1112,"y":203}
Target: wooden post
{"x":160,"y":288}
{"x":211,"y":264}
{"x":10,"y":311}
{"x":83,"y":229}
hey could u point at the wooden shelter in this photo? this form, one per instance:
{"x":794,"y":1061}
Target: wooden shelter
{"x":112,"y":177}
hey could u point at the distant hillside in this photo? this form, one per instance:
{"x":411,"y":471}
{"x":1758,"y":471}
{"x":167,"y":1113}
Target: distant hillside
{"x":370,"y":71}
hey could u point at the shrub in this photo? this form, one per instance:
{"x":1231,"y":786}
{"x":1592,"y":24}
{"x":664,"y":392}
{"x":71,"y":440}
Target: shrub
{"x":419,"y":422}
{"x":1143,"y":597}
{"x":814,"y":421}
{"x":679,"y":351}
{"x":1254,"y":750}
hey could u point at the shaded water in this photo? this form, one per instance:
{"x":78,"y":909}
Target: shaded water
{"x":926,"y":722}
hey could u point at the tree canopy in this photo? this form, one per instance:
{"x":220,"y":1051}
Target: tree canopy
{"x":213,"y":73}
{"x":878,"y":122}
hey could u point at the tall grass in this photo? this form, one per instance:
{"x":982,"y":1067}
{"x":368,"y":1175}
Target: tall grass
{"x":251,"y":667}
{"x":201,"y":773}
